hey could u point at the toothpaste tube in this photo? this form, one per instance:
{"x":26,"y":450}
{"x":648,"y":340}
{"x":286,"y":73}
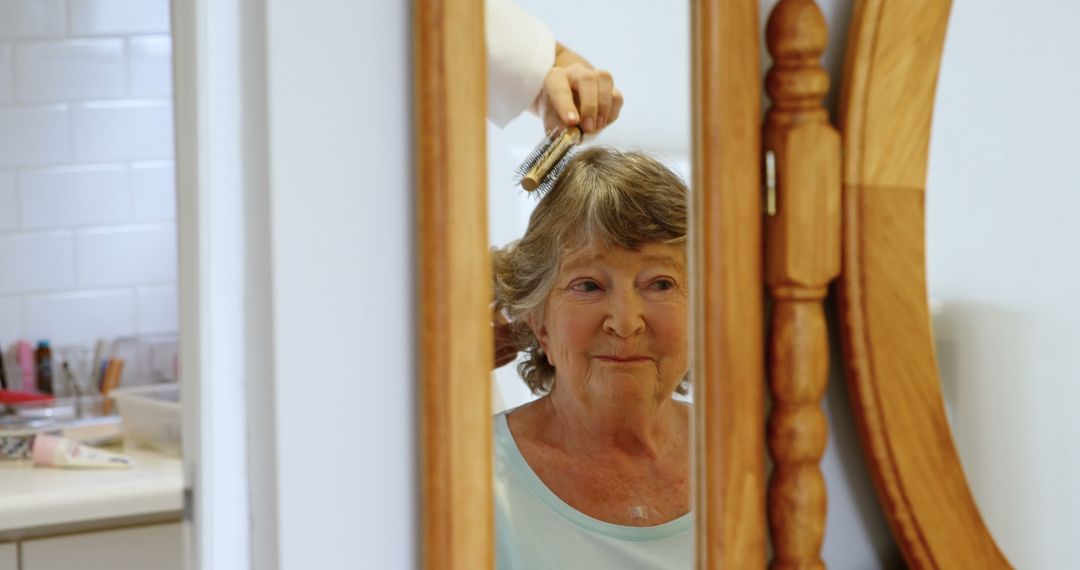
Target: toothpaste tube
{"x":55,"y":451}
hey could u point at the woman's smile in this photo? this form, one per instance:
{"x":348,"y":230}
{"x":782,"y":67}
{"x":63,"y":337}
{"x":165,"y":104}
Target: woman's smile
{"x":613,"y":360}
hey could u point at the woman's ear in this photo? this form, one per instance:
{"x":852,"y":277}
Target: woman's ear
{"x":536,"y":325}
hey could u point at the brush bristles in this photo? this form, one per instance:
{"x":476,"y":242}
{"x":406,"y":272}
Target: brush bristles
{"x":542,"y":167}
{"x":549,"y":180}
{"x":537,"y":153}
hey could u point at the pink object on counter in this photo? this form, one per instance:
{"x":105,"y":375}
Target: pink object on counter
{"x":24,"y":357}
{"x":45,"y":449}
{"x":55,"y":451}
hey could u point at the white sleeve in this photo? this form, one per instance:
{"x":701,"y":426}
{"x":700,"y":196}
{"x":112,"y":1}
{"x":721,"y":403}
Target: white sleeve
{"x":520,"y":51}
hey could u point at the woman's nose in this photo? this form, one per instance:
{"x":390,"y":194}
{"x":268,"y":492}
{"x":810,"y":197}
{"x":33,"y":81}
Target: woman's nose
{"x":626,"y":315}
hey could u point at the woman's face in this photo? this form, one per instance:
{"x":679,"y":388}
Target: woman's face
{"x":615,"y":324}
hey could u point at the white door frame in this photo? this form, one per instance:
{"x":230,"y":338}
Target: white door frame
{"x":225,"y":334}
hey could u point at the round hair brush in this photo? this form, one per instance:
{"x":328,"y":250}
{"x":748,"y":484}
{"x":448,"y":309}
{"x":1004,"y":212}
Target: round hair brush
{"x":539,"y":171}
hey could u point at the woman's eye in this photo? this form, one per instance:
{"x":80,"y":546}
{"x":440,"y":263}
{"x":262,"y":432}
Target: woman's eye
{"x":663,"y":284}
{"x":586,"y":286}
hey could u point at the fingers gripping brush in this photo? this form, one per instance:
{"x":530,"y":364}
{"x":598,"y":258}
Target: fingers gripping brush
{"x":545,"y":163}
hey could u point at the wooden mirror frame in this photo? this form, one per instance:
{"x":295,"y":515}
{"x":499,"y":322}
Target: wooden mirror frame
{"x":890,"y":74}
{"x":455,"y":345}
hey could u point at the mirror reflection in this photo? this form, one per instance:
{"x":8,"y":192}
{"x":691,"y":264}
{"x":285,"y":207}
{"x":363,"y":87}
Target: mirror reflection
{"x":1001,"y":237}
{"x":591,"y":291}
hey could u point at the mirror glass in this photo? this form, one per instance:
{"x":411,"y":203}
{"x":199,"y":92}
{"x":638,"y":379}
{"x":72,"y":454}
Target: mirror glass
{"x":590,"y":462}
{"x":1002,"y":267}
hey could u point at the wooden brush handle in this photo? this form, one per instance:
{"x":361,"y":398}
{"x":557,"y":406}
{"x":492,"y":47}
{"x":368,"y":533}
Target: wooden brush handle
{"x":113,"y":370}
{"x":550,"y":158}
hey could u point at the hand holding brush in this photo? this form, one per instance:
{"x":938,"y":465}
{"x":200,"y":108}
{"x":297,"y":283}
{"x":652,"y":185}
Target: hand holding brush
{"x":576,"y":100}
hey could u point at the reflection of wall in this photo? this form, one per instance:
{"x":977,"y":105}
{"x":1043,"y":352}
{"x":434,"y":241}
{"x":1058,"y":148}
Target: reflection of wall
{"x":87,"y":238}
{"x":1001,"y":252}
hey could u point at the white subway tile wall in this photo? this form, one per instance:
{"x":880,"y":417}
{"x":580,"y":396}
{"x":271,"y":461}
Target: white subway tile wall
{"x":37,"y":261}
{"x":119,"y":130}
{"x":70,"y":70}
{"x":87,"y":180}
{"x":126,"y":255}
{"x":74,"y":196}
{"x":21,"y":19}
{"x":10,"y":319}
{"x":156,"y":310}
{"x":33,"y":134}
{"x":9,"y":205}
{"x":153,"y":189}
{"x":7,"y":73}
{"x":107,"y":17}
{"x":150,"y":65}
{"x":71,"y":318}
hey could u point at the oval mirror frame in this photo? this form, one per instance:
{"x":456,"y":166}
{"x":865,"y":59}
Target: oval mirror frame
{"x":890,"y":74}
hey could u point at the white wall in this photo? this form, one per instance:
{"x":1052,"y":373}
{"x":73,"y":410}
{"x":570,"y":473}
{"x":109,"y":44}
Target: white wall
{"x":1003,"y":267}
{"x":341,"y":211}
{"x":87,"y":198}
{"x":297,"y":242}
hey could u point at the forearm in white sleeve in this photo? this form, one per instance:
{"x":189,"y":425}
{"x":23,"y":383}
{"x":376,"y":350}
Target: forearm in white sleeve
{"x":520,"y":52}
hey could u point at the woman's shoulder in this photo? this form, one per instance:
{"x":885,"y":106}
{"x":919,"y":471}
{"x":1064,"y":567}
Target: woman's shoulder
{"x":510,"y":423}
{"x":523,"y":419}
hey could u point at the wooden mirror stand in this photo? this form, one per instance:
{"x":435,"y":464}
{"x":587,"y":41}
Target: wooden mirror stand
{"x":887,"y":97}
{"x":890,"y":73}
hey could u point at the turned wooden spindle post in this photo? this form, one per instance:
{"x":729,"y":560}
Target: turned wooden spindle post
{"x":802,"y":245}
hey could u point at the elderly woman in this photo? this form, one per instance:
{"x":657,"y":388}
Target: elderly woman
{"x":595,"y":473}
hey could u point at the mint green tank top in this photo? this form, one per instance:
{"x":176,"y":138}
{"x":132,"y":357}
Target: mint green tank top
{"x":536,"y":530}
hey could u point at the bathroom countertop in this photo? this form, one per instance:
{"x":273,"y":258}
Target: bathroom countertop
{"x":51,"y":498}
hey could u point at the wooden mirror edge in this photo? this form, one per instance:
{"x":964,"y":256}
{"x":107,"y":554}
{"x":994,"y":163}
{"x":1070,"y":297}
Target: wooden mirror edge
{"x":453,"y":322}
{"x":454,"y":337}
{"x":890,"y":75}
{"x":725,"y":249}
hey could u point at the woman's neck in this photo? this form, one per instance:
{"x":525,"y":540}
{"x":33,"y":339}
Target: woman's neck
{"x":647,"y":430}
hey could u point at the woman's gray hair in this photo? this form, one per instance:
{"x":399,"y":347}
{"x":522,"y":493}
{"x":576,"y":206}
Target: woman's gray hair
{"x":624,"y":199}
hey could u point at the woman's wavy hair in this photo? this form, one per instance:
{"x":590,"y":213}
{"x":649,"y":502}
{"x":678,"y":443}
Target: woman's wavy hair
{"x":624,"y":199}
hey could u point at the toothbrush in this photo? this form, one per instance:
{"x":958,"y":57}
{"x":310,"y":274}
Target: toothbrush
{"x":24,"y":356}
{"x":3,"y":373}
{"x":98,"y":364}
